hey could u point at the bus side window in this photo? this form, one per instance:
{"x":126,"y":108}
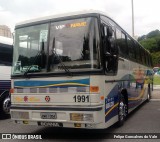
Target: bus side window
{"x":138,"y":53}
{"x":131,"y":48}
{"x":121,"y":41}
{"x":110,"y":49}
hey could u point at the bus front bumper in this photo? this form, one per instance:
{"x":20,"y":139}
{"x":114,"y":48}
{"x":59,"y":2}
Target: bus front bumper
{"x":71,"y":117}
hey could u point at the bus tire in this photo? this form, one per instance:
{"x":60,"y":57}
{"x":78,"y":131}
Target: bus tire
{"x":5,"y":104}
{"x":122,"y":111}
{"x":149,"y":93}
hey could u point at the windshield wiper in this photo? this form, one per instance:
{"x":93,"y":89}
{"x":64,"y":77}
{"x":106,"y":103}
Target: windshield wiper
{"x":59,"y":59}
{"x":35,"y":59}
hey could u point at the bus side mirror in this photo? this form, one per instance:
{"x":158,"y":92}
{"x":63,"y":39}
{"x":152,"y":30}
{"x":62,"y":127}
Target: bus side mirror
{"x":109,"y":31}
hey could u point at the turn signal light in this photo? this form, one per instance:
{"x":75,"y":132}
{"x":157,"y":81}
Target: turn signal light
{"x":102,"y":98}
{"x":77,"y":125}
{"x":11,"y":90}
{"x":94,"y":89}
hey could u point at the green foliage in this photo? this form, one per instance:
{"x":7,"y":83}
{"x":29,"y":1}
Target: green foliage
{"x":156,"y":80}
{"x":153,"y":34}
{"x":151,"y":42}
{"x":156,"y":58}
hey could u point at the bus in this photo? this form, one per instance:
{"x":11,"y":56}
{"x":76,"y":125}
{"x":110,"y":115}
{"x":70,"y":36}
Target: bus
{"x":6,"y":50}
{"x":77,"y":70}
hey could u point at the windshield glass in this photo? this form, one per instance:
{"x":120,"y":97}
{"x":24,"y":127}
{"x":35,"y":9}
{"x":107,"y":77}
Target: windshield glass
{"x":28,"y":45}
{"x":73,"y":43}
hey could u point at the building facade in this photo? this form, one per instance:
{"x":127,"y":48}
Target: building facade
{"x":5,"y":31}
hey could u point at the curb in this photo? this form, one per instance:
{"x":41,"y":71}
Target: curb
{"x":155,"y":100}
{"x":156,"y":88}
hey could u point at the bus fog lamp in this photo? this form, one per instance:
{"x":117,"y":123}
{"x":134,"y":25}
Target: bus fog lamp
{"x":90,"y":125}
{"x":21,"y":115}
{"x":77,"y":125}
{"x":25,"y":122}
{"x":18,"y":122}
{"x":81,"y":117}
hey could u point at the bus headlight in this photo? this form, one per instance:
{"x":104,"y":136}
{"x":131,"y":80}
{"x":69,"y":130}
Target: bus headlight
{"x":81,"y":117}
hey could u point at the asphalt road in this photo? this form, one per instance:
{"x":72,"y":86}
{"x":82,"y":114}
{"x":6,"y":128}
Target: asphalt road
{"x":145,"y":119}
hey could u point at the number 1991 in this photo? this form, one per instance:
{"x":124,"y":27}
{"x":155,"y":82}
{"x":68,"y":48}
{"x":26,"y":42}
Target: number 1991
{"x":81,"y":98}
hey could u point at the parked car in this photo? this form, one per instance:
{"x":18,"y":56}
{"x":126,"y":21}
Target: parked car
{"x":155,"y":69}
{"x":158,"y":72}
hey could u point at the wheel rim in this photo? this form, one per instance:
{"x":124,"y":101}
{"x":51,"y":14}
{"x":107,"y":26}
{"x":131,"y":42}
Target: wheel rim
{"x":121,"y":111}
{"x":6,"y":105}
{"x":148,"y":97}
{"x":149,"y":92}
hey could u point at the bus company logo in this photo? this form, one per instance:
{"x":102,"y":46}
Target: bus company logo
{"x":25,"y":98}
{"x":72,"y":25}
{"x":47,"y":98}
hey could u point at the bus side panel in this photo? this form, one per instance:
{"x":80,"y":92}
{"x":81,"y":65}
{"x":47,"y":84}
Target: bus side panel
{"x":137,"y":91}
{"x":5,"y":82}
{"x":113,"y":87}
{"x":111,"y":103}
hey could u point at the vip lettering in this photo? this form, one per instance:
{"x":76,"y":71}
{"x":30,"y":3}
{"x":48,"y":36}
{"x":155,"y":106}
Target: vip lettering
{"x":60,"y":27}
{"x":73,"y":25}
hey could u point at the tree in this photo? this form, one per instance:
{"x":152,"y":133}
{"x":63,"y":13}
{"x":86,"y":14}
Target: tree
{"x":151,"y":42}
{"x":153,"y":34}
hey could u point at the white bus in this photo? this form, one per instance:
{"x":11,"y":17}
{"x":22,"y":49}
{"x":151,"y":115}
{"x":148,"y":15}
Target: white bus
{"x":6,"y":47}
{"x":77,"y":70}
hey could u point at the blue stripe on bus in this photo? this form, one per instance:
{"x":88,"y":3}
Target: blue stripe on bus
{"x":134,"y":97}
{"x":132,"y":104}
{"x":111,"y":102}
{"x":113,"y":113}
{"x":63,"y":83}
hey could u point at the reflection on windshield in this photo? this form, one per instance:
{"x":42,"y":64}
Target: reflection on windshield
{"x":33,"y":68}
{"x":76,"y":42}
{"x":30,"y":49}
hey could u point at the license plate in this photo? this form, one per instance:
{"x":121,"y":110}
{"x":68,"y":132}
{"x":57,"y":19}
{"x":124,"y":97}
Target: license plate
{"x":51,"y":124}
{"x":48,"y":115}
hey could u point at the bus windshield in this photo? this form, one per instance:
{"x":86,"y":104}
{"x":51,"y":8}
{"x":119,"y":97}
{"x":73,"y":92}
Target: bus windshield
{"x":45,"y":47}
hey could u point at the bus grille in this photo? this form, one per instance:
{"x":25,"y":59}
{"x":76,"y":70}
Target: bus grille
{"x":52,"y":90}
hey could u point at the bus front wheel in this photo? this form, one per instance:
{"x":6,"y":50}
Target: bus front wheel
{"x":122,"y":113}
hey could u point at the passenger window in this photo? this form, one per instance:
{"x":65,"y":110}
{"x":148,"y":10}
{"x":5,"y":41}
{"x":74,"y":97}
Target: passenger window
{"x":142,"y":56}
{"x":131,"y":48}
{"x":138,"y":55}
{"x":121,"y":43}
